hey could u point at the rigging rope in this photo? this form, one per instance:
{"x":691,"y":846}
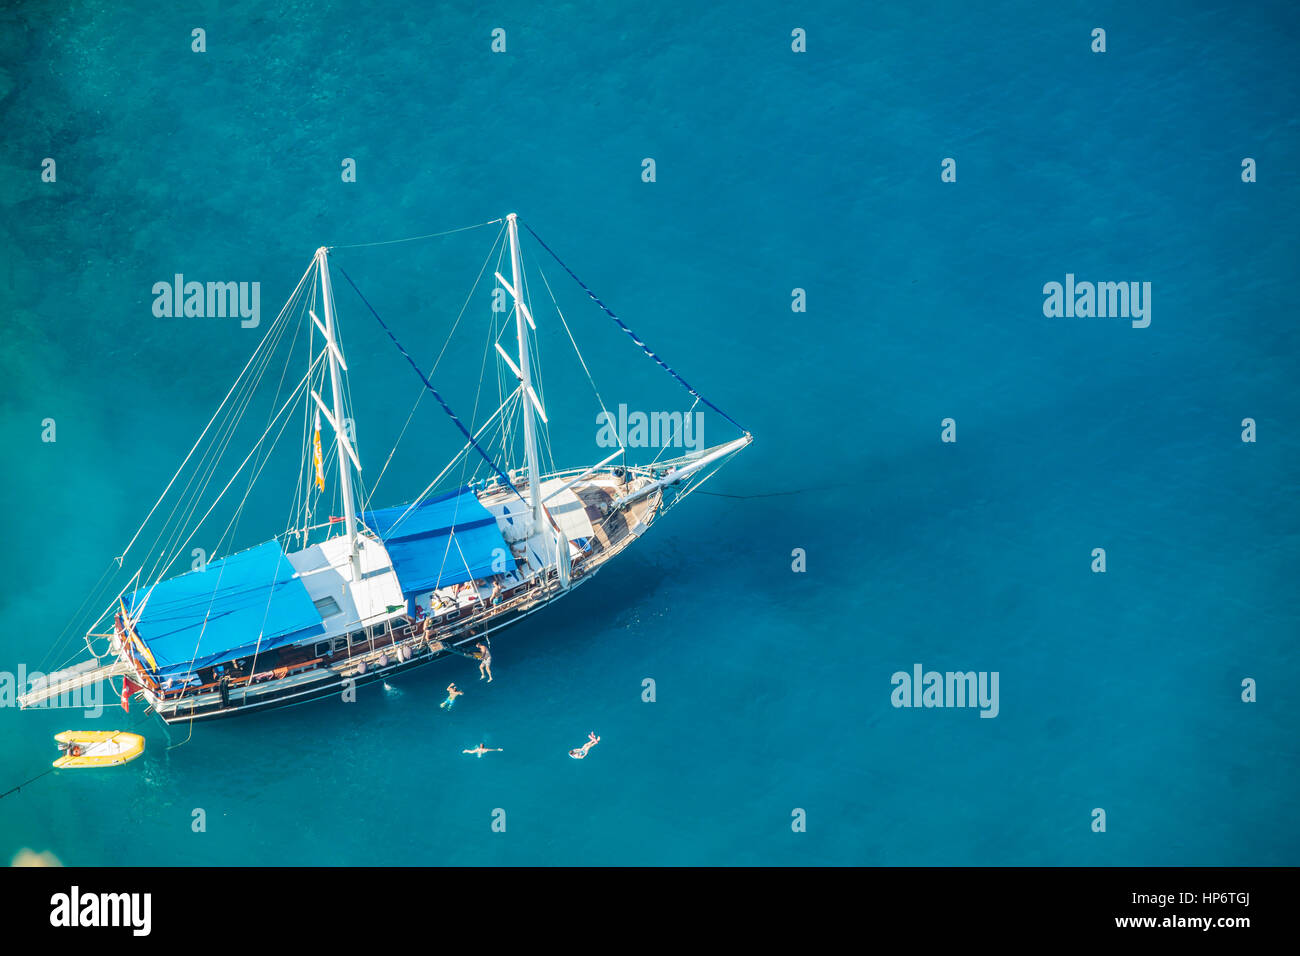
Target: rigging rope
{"x":432,"y":235}
{"x":622,"y":325}
{"x":427,"y":384}
{"x":438,"y":360}
{"x":582,"y":361}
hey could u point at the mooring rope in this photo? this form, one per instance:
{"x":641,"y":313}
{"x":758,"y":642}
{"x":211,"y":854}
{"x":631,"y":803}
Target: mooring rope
{"x":775,"y":494}
{"x":15,"y":789}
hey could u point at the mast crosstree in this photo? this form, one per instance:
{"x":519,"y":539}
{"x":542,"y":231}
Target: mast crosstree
{"x":343,"y":446}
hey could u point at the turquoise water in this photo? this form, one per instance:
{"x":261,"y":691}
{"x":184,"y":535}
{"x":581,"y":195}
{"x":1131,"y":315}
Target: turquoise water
{"x":774,"y":171}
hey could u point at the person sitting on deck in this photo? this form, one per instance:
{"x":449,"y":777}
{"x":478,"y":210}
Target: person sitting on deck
{"x":519,"y":550}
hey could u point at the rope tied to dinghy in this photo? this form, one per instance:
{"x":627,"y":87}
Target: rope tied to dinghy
{"x":632,"y":335}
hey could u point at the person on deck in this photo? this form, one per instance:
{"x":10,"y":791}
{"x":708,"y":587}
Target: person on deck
{"x":484,"y":661}
{"x":496,"y":590}
{"x":452,"y":694}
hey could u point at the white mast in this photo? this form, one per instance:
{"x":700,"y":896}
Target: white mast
{"x":341,"y":443}
{"x":525,"y":376}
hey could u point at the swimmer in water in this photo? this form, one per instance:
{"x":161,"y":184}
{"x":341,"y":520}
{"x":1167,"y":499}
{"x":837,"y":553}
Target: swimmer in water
{"x":578,"y":753}
{"x":481,"y":750}
{"x":484,"y":662}
{"x":452,"y":694}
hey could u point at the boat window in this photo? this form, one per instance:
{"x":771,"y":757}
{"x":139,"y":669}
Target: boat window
{"x":322,"y":649}
{"x":358,"y":638}
{"x":327,"y":606}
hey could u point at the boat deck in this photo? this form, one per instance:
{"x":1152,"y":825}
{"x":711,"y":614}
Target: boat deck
{"x":300,"y":677}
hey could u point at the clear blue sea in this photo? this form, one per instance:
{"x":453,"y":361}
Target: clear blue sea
{"x":775,"y":170}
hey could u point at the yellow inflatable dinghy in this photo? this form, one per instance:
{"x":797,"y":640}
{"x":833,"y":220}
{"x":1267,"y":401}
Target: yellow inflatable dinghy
{"x":97,"y":748}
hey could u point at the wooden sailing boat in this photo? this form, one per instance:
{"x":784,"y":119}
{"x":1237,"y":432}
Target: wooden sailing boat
{"x":380,"y":590}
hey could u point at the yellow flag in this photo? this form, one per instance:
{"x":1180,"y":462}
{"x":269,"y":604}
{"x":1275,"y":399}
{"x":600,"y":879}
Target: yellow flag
{"x":142,"y":649}
{"x":316,"y":456}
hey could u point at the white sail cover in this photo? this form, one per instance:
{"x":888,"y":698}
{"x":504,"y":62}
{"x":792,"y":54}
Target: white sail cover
{"x":345,"y":604}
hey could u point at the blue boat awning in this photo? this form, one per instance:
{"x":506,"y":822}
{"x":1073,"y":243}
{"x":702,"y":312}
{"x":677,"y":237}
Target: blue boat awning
{"x":442,"y":541}
{"x":245,"y":602}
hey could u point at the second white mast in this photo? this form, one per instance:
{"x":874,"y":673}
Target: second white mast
{"x":525,"y":376}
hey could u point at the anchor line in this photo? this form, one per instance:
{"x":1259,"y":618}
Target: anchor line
{"x":27,"y":783}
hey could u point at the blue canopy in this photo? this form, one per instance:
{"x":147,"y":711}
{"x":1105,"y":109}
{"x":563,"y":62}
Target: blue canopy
{"x":441,"y":541}
{"x":237,"y":604}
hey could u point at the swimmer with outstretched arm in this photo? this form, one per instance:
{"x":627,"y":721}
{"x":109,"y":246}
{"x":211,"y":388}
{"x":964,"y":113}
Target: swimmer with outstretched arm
{"x":481,"y":750}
